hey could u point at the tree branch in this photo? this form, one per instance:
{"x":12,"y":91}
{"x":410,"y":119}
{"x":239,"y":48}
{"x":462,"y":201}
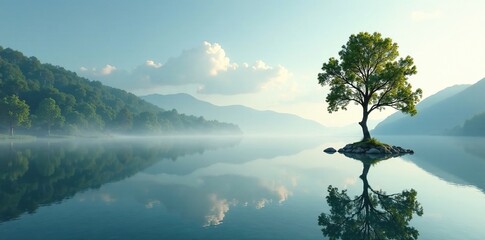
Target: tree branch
{"x":349,"y":83}
{"x":389,"y":104}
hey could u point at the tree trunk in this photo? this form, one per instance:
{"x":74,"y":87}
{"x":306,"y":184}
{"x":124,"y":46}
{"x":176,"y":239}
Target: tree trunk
{"x":367,"y":201}
{"x":363,"y":124}
{"x":11,"y":131}
{"x":363,"y":176}
{"x":48,"y":130}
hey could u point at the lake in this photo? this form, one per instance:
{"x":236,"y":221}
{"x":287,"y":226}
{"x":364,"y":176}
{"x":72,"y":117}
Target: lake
{"x":239,"y":188}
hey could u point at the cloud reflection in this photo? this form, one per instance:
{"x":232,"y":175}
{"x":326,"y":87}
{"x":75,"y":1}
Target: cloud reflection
{"x":217,"y":211}
{"x":151,"y":203}
{"x":207,"y":202}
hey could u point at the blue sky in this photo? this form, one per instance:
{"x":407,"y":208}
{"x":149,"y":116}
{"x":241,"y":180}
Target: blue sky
{"x":263,"y":54}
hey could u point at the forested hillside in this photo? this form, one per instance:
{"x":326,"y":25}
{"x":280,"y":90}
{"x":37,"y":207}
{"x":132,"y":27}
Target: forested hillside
{"x":443,"y":114}
{"x":474,"y":126}
{"x":41,"y":97}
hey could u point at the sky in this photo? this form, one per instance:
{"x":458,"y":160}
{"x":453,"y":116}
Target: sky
{"x":263,"y":54}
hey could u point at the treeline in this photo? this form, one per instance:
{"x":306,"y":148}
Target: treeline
{"x":474,"y":126}
{"x":41,"y":97}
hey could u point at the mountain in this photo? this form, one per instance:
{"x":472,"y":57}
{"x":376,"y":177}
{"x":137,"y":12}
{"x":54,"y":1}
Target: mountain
{"x":427,"y":102}
{"x":250,"y":121}
{"x":440,"y":113}
{"x":474,"y":126}
{"x":84,"y":105}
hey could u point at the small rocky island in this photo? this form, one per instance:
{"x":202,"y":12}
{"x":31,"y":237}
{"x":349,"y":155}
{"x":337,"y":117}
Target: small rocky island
{"x":370,"y":148}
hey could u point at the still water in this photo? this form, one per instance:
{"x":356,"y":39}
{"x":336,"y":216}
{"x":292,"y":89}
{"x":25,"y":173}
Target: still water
{"x":239,"y":188}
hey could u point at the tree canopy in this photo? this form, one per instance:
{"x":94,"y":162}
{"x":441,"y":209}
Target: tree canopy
{"x":49,"y":113}
{"x":369,"y":74}
{"x":14,"y":112}
{"x":88,"y":105}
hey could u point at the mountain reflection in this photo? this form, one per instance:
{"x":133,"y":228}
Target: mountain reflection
{"x":33,"y":175}
{"x":372,"y":215}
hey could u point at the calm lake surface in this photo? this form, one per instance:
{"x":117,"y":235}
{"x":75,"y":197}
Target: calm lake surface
{"x":237,"y":188}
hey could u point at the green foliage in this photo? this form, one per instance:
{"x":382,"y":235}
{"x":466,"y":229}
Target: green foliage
{"x":124,"y":120}
{"x":372,"y":215}
{"x":87,"y":105}
{"x":11,"y":78}
{"x":369,"y":75}
{"x":14,"y":112}
{"x":372,"y":142}
{"x":375,"y":142}
{"x":49,"y":113}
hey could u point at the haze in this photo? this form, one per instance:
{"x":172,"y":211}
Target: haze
{"x":260,"y":54}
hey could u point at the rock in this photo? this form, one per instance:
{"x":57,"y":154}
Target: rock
{"x":358,"y":150}
{"x":348,"y":147}
{"x":364,"y":151}
{"x":373,"y":151}
{"x":383,"y":150}
{"x":330,"y":150}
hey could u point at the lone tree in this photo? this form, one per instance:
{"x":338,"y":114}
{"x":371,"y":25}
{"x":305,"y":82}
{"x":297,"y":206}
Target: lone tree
{"x":369,"y":75}
{"x":49,"y":113}
{"x":14,"y":112}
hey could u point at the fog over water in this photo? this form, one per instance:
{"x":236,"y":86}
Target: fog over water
{"x":210,"y":187}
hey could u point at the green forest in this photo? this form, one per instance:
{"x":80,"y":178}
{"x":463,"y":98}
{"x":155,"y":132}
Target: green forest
{"x":38,"y":98}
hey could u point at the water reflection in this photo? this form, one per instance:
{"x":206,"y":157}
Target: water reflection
{"x":37,"y":174}
{"x":458,"y":160}
{"x":371,"y":215}
{"x":203,"y":200}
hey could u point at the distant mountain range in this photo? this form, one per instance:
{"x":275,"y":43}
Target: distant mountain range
{"x":251,"y":121}
{"x":439,"y":114}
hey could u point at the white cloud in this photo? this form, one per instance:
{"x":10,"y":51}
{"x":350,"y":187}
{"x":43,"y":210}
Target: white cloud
{"x":419,"y":16}
{"x":207,"y":67}
{"x":108,"y":69}
{"x":218,"y":58}
{"x":93,"y":72}
{"x":245,"y":79}
{"x":260,"y":65}
{"x":151,"y":63}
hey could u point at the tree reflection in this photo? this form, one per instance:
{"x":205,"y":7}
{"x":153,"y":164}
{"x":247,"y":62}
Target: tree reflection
{"x":33,"y":175}
{"x":372,"y":215}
